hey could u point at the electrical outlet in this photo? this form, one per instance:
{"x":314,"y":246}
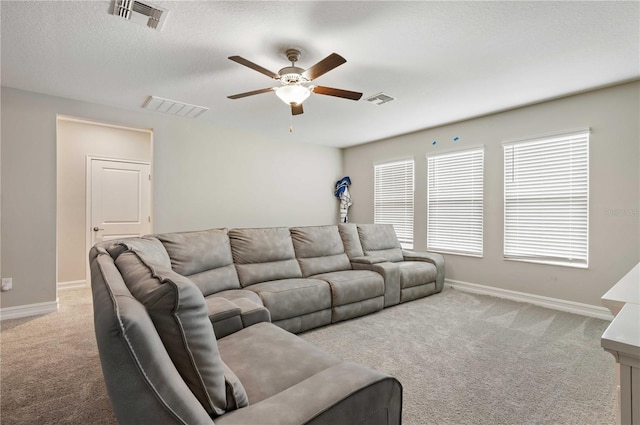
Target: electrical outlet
{"x":7,"y":283}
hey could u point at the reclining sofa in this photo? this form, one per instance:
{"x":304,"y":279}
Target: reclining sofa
{"x":198,"y":327}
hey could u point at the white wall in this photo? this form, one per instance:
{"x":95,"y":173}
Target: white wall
{"x":204,"y":177}
{"x":614,"y":245}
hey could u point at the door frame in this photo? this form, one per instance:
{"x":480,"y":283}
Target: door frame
{"x":88,"y":200}
{"x":62,"y":286}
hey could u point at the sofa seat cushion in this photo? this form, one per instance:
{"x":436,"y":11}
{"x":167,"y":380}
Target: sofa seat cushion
{"x":346,"y":393}
{"x":288,"y":298}
{"x":415,"y":273}
{"x":298,"y":324}
{"x":268,"y":360}
{"x":351,"y":286}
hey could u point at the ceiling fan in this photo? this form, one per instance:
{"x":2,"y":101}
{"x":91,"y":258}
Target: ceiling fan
{"x":295,"y":87}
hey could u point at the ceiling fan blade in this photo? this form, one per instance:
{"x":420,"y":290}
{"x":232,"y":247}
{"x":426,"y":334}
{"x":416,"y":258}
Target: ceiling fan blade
{"x":255,"y":67}
{"x":345,"y":94}
{"x":296,"y":109}
{"x":251,"y":93}
{"x":325,"y":65}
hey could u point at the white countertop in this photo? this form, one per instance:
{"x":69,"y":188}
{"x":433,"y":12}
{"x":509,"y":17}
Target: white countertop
{"x":627,"y":290}
{"x":622,"y":337}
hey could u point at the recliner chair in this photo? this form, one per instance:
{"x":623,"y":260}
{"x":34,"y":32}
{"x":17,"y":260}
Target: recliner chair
{"x":413,"y":274}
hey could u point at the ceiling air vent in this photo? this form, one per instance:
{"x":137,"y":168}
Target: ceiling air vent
{"x":143,"y":13}
{"x":173,"y":107}
{"x":380,"y":98}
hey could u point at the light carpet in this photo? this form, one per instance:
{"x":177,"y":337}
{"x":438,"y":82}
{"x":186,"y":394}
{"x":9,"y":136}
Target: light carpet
{"x":474,"y":359}
{"x":461,"y":358}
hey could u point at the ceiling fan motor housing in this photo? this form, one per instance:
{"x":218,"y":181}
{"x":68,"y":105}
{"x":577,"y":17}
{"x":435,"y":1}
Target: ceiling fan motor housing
{"x":292,"y":75}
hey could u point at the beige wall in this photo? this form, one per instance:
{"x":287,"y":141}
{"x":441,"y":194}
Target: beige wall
{"x":75,"y":141}
{"x":208,"y":176}
{"x":205,"y":176}
{"x":614,"y":231}
{"x":223,"y":178}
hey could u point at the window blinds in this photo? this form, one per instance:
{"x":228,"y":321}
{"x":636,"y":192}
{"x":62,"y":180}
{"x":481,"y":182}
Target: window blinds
{"x":393,"y":198}
{"x":455,"y":185}
{"x":546,"y":199}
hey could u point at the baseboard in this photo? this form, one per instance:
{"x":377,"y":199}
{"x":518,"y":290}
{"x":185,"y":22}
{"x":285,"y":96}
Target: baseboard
{"x":72,"y":284}
{"x":28,"y":310}
{"x":548,"y":302}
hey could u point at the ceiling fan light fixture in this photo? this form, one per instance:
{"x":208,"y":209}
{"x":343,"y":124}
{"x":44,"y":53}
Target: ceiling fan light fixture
{"x":294,"y":81}
{"x":293,"y":94}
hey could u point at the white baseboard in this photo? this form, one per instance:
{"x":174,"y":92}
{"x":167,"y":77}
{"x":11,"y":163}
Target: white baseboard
{"x":28,"y":310}
{"x":548,"y":302}
{"x":72,"y":284}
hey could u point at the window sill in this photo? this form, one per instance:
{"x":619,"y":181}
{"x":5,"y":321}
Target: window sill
{"x":463,"y":254}
{"x":550,"y":263}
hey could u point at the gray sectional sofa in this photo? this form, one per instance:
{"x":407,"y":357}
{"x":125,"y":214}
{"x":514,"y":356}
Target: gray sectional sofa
{"x":192,"y":327}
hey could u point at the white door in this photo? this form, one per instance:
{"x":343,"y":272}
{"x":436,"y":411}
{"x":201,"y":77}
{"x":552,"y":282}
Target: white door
{"x":120,"y":199}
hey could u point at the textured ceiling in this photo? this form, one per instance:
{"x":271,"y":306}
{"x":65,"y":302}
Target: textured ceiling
{"x":442,"y":61}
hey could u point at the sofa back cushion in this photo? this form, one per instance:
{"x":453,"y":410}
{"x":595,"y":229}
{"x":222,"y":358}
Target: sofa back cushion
{"x":380,"y":240}
{"x":319,"y":249}
{"x":204,"y":257}
{"x":350,"y":239}
{"x":179,"y":313}
{"x":263,"y":254}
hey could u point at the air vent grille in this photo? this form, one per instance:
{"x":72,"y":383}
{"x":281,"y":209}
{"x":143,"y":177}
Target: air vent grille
{"x":173,"y":107}
{"x":380,"y":98}
{"x":142,"y":13}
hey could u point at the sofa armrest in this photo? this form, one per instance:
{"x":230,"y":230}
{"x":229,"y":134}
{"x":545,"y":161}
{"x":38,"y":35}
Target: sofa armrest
{"x":390,"y":273}
{"x":368,"y":259}
{"x":392,"y":286}
{"x":143,"y":384}
{"x":224,"y":315}
{"x":430,"y":257}
{"x":229,"y":316}
{"x":346,"y":393}
{"x":251,"y":312}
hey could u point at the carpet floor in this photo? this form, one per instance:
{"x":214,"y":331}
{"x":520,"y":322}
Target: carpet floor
{"x":461,"y":358}
{"x":472,"y":359}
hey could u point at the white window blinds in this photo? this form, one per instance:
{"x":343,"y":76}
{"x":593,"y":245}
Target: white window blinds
{"x":546,"y":199}
{"x":393,"y":198}
{"x":455,"y":186}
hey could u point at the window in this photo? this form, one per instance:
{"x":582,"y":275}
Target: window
{"x":393,"y":198}
{"x":546,"y":199}
{"x":455,"y":185}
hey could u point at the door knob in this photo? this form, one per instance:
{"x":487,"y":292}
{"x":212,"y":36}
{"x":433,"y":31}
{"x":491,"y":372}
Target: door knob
{"x":95,"y":229}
